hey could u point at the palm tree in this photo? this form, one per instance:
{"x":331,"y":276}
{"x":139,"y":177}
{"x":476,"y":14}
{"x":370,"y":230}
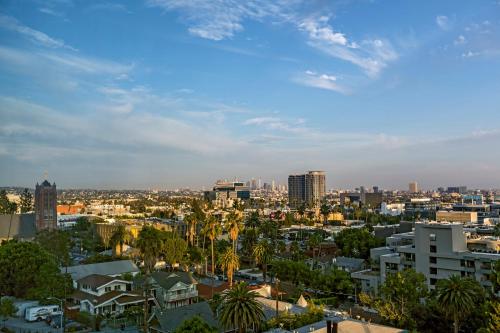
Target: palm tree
{"x":325,"y":211}
{"x":214,"y":230}
{"x":191,"y":222}
{"x":239,"y":309}
{"x":119,"y":237}
{"x":230,"y":262}
{"x":263,"y":254}
{"x":233,"y":227}
{"x":150,"y":245}
{"x":458,"y":297}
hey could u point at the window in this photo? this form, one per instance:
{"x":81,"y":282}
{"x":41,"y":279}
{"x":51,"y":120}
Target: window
{"x":433,"y":281}
{"x":432,"y":249}
{"x":432,"y":260}
{"x":107,"y":289}
{"x":432,"y":237}
{"x":433,"y":270}
{"x":118,"y":287}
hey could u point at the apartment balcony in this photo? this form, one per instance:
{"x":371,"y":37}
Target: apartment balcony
{"x":179,"y":296}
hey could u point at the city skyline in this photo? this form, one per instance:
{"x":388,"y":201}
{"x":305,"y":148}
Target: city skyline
{"x":167,"y":94}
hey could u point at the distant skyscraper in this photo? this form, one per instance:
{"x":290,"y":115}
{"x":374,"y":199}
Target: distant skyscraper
{"x":273,"y":186}
{"x":413,"y":187}
{"x":375,"y":189}
{"x":46,"y":206}
{"x":309,"y":188}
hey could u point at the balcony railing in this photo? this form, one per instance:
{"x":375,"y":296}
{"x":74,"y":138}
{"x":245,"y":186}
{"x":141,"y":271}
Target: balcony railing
{"x":183,"y":295}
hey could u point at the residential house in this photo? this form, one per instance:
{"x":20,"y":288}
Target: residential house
{"x":112,"y":269}
{"x":166,"y":321}
{"x":173,"y":289}
{"x":102,"y":294}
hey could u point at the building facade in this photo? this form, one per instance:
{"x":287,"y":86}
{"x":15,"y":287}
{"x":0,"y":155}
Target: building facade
{"x":46,"y":206}
{"x":437,"y":250}
{"x":309,"y":189}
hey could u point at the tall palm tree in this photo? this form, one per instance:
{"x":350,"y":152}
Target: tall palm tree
{"x":214,"y":230}
{"x":150,"y":245}
{"x":263,"y":254}
{"x":230,"y":262}
{"x":458,"y":296}
{"x":233,"y":228}
{"x":119,"y":237}
{"x":191,"y":222}
{"x":239,"y":309}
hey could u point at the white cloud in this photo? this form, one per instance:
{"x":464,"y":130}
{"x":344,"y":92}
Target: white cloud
{"x":370,"y":55}
{"x":443,"y":22}
{"x":460,"y":40}
{"x":39,"y":37}
{"x":221,"y":19}
{"x":322,"y":81}
{"x":261,"y":120}
{"x":318,"y":29}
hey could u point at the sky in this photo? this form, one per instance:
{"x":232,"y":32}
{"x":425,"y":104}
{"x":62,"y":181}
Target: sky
{"x":170,"y":93}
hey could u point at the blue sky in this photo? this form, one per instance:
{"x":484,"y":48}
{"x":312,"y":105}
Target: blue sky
{"x":169,"y":93}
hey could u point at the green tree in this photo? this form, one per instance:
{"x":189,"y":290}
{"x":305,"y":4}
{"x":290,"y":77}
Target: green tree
{"x":26,"y":201}
{"x":229,"y":263}
{"x":263,"y":254}
{"x":195,"y":324}
{"x":57,"y":243}
{"x":239,"y":309}
{"x":354,"y":242}
{"x":6,"y":206}
{"x":174,"y":249}
{"x":7,"y":308}
{"x":27,"y":270}
{"x":400,"y":296}
{"x":150,"y":245}
{"x":120,"y":237}
{"x":457,"y":297}
{"x":325,"y":211}
{"x":252,"y":221}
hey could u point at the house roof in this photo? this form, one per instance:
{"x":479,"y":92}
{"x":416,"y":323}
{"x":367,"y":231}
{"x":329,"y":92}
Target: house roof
{"x":96,"y":280}
{"x":169,"y":320}
{"x":19,"y":226}
{"x":105,"y":268}
{"x":167,"y":280}
{"x":121,"y":297}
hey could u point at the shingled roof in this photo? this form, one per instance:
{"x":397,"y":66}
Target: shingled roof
{"x":167,"y":280}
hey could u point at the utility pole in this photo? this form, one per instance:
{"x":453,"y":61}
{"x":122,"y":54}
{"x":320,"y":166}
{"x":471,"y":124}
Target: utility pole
{"x":276,"y":282}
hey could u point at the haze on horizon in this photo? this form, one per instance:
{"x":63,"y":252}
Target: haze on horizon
{"x":169,"y":93}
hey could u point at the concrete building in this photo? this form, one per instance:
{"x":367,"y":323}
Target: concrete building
{"x":309,"y":189}
{"x":17,"y":226}
{"x":393,"y":209}
{"x":413,"y":187}
{"x":437,"y":250}
{"x":452,"y":216}
{"x":224,"y":193}
{"x":46,"y":206}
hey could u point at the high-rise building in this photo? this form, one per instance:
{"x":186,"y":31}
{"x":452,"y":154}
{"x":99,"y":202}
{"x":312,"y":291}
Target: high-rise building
{"x":413,"y":187}
{"x":308,"y":188}
{"x":46,"y":206}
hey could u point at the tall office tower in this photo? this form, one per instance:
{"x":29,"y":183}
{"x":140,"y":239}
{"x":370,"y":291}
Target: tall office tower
{"x":309,"y":188}
{"x":375,"y":189}
{"x":46,"y":206}
{"x":273,"y":186}
{"x":413,"y":187}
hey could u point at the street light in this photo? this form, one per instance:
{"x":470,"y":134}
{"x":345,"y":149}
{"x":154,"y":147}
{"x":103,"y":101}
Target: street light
{"x":62,"y":311}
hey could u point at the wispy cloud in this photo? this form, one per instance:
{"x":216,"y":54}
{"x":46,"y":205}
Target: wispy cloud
{"x":443,"y":22}
{"x":50,"y":11}
{"x":110,"y":6}
{"x":222,"y":19}
{"x":10,"y":23}
{"x":322,"y":81}
{"x":370,"y":55}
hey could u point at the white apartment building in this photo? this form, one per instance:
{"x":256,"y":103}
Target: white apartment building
{"x":438,"y":250}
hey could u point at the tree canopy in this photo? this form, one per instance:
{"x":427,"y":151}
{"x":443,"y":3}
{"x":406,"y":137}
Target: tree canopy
{"x":27,"y":270}
{"x":356,"y":242}
{"x":195,"y":324}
